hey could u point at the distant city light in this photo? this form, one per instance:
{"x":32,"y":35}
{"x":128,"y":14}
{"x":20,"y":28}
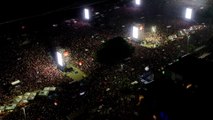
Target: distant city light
{"x":135,"y":32}
{"x":188,"y":14}
{"x":86,"y":14}
{"x":137,"y":2}
{"x":59,"y":59}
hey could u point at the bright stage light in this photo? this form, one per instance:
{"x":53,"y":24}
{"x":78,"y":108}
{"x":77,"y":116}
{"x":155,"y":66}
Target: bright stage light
{"x":137,"y":2}
{"x":135,"y":32}
{"x":60,"y":59}
{"x":188,"y":14}
{"x":86,"y":14}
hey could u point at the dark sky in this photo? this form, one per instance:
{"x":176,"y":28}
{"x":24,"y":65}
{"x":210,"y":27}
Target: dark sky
{"x":13,"y":9}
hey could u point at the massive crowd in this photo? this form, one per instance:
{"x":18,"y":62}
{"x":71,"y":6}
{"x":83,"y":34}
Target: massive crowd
{"x":105,"y":97}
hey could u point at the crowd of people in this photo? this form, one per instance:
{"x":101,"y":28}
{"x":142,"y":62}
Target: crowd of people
{"x":107,"y":95}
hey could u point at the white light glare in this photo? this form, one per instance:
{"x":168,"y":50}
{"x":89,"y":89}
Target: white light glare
{"x":135,"y":32}
{"x":188,"y":14}
{"x":137,"y":2}
{"x":86,"y":14}
{"x":59,"y":59}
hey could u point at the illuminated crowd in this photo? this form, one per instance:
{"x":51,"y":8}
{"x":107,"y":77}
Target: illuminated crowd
{"x":35,"y":66}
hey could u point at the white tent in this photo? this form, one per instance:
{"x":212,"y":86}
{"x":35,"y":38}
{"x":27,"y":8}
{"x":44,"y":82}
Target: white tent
{"x":2,"y":109}
{"x":18,"y":99}
{"x":11,"y":106}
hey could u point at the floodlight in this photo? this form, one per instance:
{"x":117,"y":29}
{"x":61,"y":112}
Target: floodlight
{"x":59,"y":59}
{"x":86,"y":14}
{"x":188,"y":14}
{"x":135,"y":33}
{"x":137,"y":2}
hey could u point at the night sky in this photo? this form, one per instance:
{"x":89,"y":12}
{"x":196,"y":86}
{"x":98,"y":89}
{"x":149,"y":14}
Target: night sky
{"x":10,"y":9}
